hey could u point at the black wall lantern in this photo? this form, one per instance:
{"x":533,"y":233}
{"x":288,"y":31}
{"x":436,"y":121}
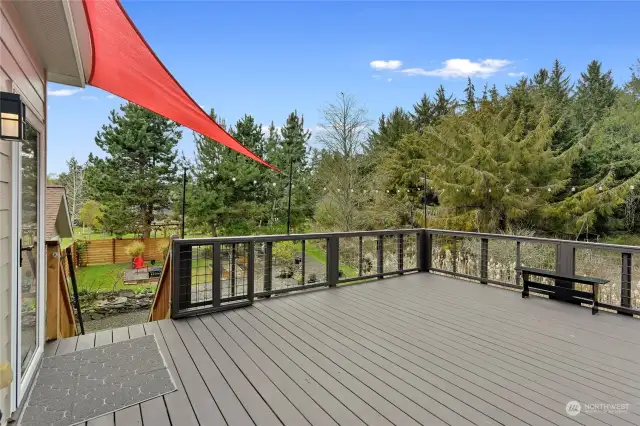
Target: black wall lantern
{"x":11,"y":116}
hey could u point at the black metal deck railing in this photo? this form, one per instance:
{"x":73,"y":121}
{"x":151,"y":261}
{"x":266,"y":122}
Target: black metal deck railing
{"x":212,"y":274}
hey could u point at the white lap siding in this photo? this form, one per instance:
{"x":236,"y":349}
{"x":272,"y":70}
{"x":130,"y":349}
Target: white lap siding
{"x":20,"y":72}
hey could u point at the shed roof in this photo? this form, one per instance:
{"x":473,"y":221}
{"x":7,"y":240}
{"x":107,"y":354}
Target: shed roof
{"x":57,"y":217}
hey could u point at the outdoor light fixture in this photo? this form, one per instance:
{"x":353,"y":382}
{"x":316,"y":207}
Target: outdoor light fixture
{"x":11,"y":116}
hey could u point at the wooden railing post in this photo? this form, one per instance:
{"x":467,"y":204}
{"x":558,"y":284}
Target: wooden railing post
{"x":625,"y":282}
{"x":565,"y":264}
{"x":268,"y":266}
{"x":424,"y":250}
{"x":380,"y":255}
{"x":217,"y":275}
{"x":518,"y":262}
{"x":333,"y":261}
{"x":484,"y":260}
{"x":251,"y":263}
{"x":400,"y":252}
{"x":360,"y":259}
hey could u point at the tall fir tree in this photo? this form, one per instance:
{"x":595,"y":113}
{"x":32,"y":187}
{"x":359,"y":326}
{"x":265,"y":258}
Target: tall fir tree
{"x":595,"y":93}
{"x":134,"y":180}
{"x":470,"y":97}
{"x":390,"y":130}
{"x":422,"y":114}
{"x":488,"y":174}
{"x":443,"y":105}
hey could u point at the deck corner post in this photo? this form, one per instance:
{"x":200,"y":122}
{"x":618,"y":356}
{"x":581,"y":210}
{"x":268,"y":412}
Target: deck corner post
{"x":333,"y":260}
{"x":175,"y":278}
{"x":424,"y":250}
{"x":484,"y":260}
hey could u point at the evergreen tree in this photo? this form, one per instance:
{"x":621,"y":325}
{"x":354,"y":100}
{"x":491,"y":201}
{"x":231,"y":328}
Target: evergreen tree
{"x":390,"y":130}
{"x":633,"y":86}
{"x":292,"y":157}
{"x":596,"y":92}
{"x":559,"y":86}
{"x":443,"y":105}
{"x":470,"y":97}
{"x":133,"y":182}
{"x":610,"y":169}
{"x":481,"y":166}
{"x":541,"y":78}
{"x":422,"y":115}
{"x":494,"y":96}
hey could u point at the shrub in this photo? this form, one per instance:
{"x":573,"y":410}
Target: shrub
{"x":134,"y":249}
{"x":285,"y":251}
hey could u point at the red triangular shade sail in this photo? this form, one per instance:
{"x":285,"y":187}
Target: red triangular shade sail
{"x":125,"y":65}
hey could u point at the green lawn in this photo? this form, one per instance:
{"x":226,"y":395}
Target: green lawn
{"x":319,"y":255}
{"x":105,"y":278}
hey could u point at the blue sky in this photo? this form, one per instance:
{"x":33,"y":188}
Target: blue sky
{"x":267,"y":59}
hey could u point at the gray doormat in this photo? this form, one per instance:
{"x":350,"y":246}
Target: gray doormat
{"x":83,"y":385}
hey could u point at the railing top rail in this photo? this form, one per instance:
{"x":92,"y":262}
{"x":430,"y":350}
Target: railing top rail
{"x":542,"y":240}
{"x":325,"y":235}
{"x":295,"y":237}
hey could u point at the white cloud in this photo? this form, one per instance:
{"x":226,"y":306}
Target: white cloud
{"x":393,"y":64}
{"x":111,"y":96}
{"x":517,"y":74}
{"x":89,"y":98}
{"x":456,"y":68}
{"x":389,"y":79}
{"x":63,"y":92}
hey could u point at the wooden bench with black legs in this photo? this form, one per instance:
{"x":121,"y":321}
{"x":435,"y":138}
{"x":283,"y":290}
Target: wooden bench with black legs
{"x":552,"y":290}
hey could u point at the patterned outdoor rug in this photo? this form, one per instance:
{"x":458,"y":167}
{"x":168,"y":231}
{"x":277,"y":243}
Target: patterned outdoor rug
{"x":83,"y":385}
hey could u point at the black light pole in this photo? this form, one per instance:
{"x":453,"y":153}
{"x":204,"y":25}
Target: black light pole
{"x":289,"y":203}
{"x":424,"y":201}
{"x":184,"y":199}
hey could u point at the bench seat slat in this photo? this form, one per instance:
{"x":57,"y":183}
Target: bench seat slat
{"x":573,"y":278}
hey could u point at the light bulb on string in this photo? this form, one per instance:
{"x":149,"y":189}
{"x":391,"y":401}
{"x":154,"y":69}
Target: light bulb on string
{"x":377,"y":191}
{"x":548,"y":189}
{"x":489,"y":190}
{"x":255,"y":181}
{"x":507,"y":190}
{"x":274,"y":184}
{"x":600,"y":188}
{"x":233,"y":179}
{"x":387,"y":191}
{"x":473,"y":190}
{"x":527,"y":189}
{"x":324,"y":188}
{"x":338,"y":189}
{"x":573,"y":189}
{"x":352,"y":190}
{"x":632,"y":187}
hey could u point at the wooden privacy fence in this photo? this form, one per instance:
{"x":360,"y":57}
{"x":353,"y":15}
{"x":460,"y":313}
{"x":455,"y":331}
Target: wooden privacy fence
{"x":99,"y":252}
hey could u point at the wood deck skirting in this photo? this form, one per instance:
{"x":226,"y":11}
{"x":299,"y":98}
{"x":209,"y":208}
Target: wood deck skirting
{"x":420,"y":349}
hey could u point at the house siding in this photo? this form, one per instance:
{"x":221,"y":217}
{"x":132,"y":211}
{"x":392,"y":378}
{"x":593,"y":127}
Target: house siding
{"x":21,"y":72}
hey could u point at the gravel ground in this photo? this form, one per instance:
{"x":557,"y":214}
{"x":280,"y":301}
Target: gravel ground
{"x":116,"y":321}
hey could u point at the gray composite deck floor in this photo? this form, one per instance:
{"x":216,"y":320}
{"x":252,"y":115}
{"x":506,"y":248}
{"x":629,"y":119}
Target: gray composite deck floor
{"x":418,"y":349}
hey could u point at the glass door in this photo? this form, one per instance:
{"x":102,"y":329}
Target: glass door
{"x":28,"y":295}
